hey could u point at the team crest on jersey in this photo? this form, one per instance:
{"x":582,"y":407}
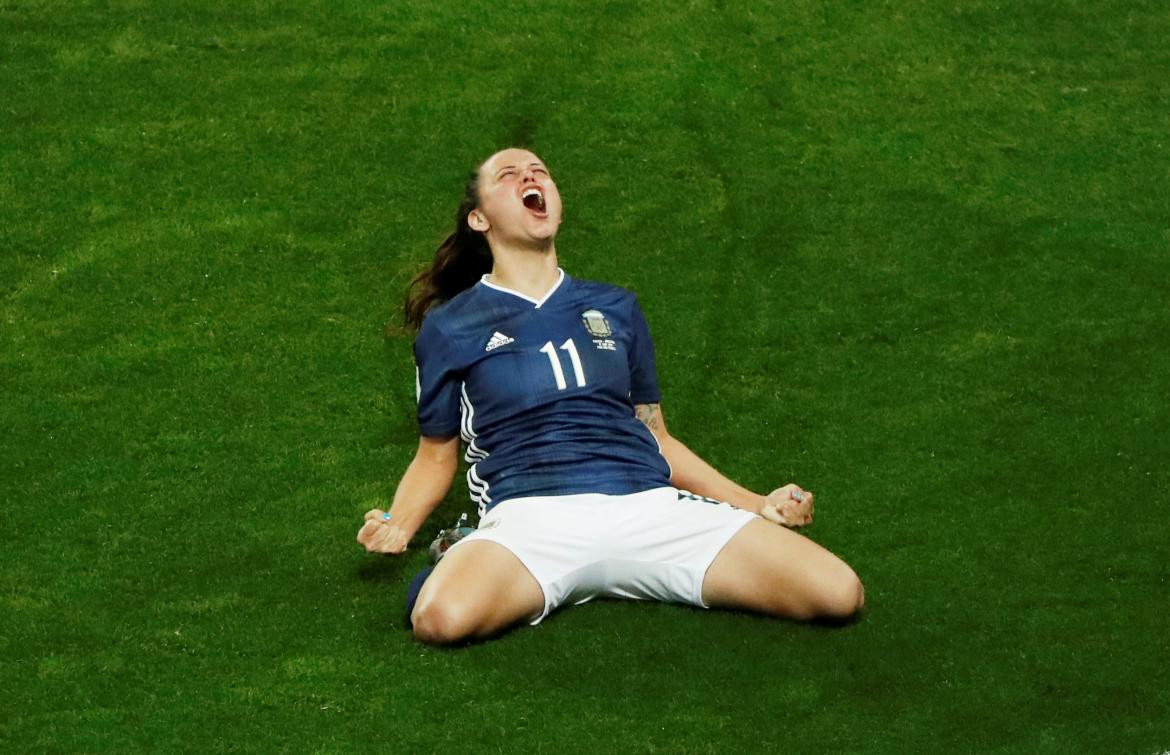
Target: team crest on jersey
{"x":596,"y":324}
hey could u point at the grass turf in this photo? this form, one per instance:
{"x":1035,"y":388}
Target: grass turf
{"x":910,"y":256}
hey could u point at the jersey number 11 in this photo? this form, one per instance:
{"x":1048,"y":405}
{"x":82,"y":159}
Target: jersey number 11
{"x":555,"y":361}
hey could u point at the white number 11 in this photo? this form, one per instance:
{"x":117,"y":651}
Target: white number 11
{"x":558,"y":373}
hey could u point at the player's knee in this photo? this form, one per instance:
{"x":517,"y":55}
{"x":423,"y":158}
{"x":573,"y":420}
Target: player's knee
{"x":440,"y":622}
{"x":843,"y":598}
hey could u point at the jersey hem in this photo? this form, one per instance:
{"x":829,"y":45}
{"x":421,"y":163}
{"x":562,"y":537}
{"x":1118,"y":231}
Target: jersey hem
{"x":431,"y":432}
{"x":573,"y":492}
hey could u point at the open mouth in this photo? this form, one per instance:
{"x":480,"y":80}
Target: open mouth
{"x":533,"y":199}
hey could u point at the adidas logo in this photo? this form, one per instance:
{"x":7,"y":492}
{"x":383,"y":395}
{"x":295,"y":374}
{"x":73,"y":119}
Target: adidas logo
{"x":498,"y":339}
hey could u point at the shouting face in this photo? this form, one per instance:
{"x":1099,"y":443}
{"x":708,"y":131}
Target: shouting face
{"x":519,"y":204}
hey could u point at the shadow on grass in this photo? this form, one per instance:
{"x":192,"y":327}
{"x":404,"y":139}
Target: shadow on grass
{"x":385,"y":569}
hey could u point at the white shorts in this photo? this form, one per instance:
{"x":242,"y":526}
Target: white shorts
{"x":652,"y":545}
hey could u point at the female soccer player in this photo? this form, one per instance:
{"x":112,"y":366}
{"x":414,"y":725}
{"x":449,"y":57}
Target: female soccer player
{"x":550,"y":382}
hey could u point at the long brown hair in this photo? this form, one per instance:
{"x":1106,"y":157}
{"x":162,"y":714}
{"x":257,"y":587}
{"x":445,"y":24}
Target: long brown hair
{"x":459,"y":262}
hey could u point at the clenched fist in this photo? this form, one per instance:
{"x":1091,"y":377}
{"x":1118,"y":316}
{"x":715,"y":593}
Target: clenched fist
{"x":381,"y":535}
{"x":789,"y":506}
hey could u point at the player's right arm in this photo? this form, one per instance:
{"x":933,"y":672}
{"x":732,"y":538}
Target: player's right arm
{"x":419,"y":492}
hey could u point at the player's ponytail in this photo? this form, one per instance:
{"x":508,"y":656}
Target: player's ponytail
{"x":459,"y":262}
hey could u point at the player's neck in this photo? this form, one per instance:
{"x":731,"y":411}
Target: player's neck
{"x":532,"y":273}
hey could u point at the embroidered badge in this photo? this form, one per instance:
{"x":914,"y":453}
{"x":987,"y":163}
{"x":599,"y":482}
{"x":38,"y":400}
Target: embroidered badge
{"x":596,"y":324}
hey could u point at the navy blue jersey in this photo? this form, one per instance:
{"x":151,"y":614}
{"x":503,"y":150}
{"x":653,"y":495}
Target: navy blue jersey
{"x":542,"y":392}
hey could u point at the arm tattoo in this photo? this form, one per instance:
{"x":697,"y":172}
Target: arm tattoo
{"x":647,"y":414}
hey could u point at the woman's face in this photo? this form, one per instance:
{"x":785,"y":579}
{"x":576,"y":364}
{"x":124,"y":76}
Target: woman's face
{"x":518,"y":202}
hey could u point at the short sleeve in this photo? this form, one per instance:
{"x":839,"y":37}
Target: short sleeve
{"x":437,"y":382}
{"x":643,"y":371}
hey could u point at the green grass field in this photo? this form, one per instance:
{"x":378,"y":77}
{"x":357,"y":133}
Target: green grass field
{"x":913,"y":256}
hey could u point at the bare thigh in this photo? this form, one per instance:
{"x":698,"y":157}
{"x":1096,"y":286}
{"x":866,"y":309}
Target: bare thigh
{"x":479,"y":589}
{"x":768,"y":569}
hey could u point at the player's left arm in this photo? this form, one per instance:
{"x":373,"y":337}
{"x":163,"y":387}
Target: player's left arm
{"x":788,"y":505}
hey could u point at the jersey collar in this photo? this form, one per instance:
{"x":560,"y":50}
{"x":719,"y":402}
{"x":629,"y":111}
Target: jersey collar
{"x":538,"y":302}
